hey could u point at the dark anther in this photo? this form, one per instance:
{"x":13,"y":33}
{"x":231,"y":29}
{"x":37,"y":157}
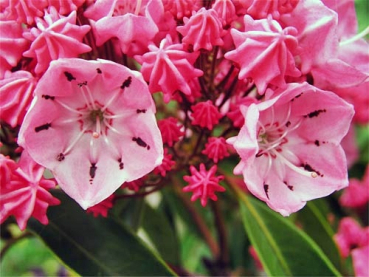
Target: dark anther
{"x":308,"y":167}
{"x":126,"y":83}
{"x":93,"y":170}
{"x":288,"y":123}
{"x":141,"y":143}
{"x":42,"y":127}
{"x":290,"y":187}
{"x":259,"y":154}
{"x":297,"y":96}
{"x":317,"y":143}
{"x":141,"y":111}
{"x":98,"y":70}
{"x":315,"y":113}
{"x":266,"y":188}
{"x":82,"y":84}
{"x":121,"y":165}
{"x":69,"y":76}
{"x":47,"y":97}
{"x":60,"y":157}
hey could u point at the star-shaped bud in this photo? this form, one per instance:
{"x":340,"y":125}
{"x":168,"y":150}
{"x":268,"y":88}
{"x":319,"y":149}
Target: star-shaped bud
{"x":216,"y":149}
{"x":92,"y":124}
{"x":205,"y":114}
{"x":203,"y":184}
{"x":102,"y":208}
{"x":166,"y":165}
{"x":170,"y":130}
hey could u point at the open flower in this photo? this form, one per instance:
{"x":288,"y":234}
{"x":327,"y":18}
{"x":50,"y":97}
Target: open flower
{"x":92,"y":124}
{"x":290,"y":147}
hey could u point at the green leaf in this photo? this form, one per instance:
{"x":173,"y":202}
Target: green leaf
{"x":161,"y":234}
{"x":283,"y":249}
{"x":96,"y":246}
{"x":317,"y":227}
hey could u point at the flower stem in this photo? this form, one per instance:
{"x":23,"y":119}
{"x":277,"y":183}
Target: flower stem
{"x":223,"y":258}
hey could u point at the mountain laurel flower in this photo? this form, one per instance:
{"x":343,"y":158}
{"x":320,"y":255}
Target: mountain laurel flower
{"x":216,"y":149}
{"x":181,"y":8}
{"x":290,"y":147}
{"x":168,"y":68}
{"x":203,"y":184}
{"x":27,"y":193}
{"x":166,"y":165}
{"x":259,"y":9}
{"x":265,"y":52}
{"x":356,"y":195}
{"x":16,"y":94}
{"x":202,"y":30}
{"x":225,"y":10}
{"x":24,"y":11}
{"x":134,"y":185}
{"x":205,"y":114}
{"x":102,"y":208}
{"x":170,"y":130}
{"x":92,"y":124}
{"x":55,"y":37}
{"x":7,"y":168}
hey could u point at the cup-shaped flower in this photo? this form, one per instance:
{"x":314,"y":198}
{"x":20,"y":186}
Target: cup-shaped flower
{"x":92,"y":124}
{"x":265,"y":52}
{"x":290,"y":146}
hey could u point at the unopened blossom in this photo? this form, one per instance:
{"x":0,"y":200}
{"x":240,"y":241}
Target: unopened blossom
{"x":181,"y":8}
{"x":12,"y":45}
{"x":356,"y":195}
{"x":65,"y":7}
{"x":95,"y":129}
{"x":134,"y":185}
{"x":16,"y":94}
{"x":290,"y":147}
{"x":169,"y":68}
{"x":55,"y":37}
{"x":170,"y":130}
{"x":203,"y":184}
{"x":7,"y":169}
{"x":216,"y":149}
{"x":259,"y":9}
{"x":225,"y":10}
{"x":265,"y":52}
{"x":27,"y":194}
{"x":166,"y":165}
{"x":202,"y":30}
{"x":205,"y":114}
{"x":127,"y":21}
{"x":235,"y":113}
{"x":24,"y":11}
{"x":102,"y":208}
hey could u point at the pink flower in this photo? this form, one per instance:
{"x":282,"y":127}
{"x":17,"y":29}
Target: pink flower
{"x":181,"y":8}
{"x":134,"y":185}
{"x":65,"y":7}
{"x":16,"y":94}
{"x":261,"y":8}
{"x":166,"y":165}
{"x":290,"y":147}
{"x":360,"y":257}
{"x":102,"y":208}
{"x":7,"y":168}
{"x":24,"y":11}
{"x":203,"y":184}
{"x":128,"y":21}
{"x":170,"y":130}
{"x":356,"y":195}
{"x":169,"y":68}
{"x":265,"y":52}
{"x":205,"y":114}
{"x":202,"y":30}
{"x":95,"y":128}
{"x":216,"y":149}
{"x":225,"y":10}
{"x":12,"y":45}
{"x":55,"y":37}
{"x":317,"y":38}
{"x":26,"y":194}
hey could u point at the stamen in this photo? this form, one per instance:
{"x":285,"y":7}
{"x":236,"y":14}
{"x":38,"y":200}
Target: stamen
{"x":299,"y":170}
{"x":70,"y":108}
{"x":106,"y":123}
{"x":97,"y":133}
{"x":355,"y":38}
{"x":111,"y":100}
{"x":138,"y":7}
{"x":74,"y":142}
{"x":92,"y":102}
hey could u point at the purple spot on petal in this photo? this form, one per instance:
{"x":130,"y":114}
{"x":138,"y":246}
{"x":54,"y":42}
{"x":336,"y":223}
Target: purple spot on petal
{"x":126,"y":83}
{"x":82,"y":84}
{"x":141,"y":111}
{"x":315,"y":113}
{"x":317,"y":143}
{"x":42,"y":127}
{"x":98,"y":70}
{"x":69,"y":76}
{"x":93,"y":170}
{"x":47,"y":97}
{"x":121,"y":165}
{"x":141,"y":143}
{"x":266,"y":188}
{"x":60,"y":157}
{"x":288,"y":123}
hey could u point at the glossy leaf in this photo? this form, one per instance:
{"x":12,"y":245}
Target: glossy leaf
{"x":161,"y":234}
{"x":315,"y":224}
{"x":96,"y":246}
{"x":283,"y":249}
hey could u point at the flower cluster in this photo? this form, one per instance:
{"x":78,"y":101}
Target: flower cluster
{"x":105,"y":93}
